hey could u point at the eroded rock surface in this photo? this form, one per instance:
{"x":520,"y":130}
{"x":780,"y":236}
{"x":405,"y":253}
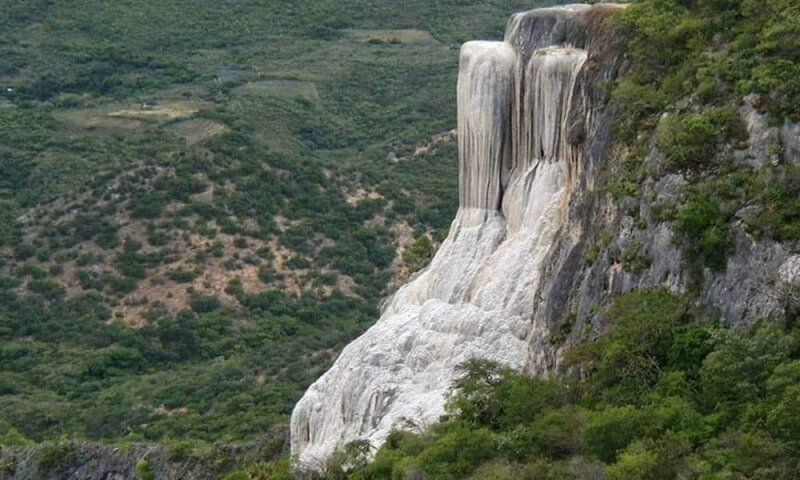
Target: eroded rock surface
{"x":523,"y":115}
{"x":539,"y":244}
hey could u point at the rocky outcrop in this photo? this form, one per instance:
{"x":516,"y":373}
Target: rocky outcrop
{"x":527,"y":113}
{"x":76,"y":460}
{"x":619,"y":245}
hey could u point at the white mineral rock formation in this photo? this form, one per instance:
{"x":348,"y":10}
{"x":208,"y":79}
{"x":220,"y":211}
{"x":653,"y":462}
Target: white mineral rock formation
{"x":476,"y":299}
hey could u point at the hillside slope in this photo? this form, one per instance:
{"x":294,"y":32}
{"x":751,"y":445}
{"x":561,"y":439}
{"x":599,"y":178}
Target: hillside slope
{"x":201,"y":206}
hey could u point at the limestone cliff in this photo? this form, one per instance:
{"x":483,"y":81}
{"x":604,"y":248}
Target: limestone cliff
{"x":539,"y":244}
{"x":526,"y":120}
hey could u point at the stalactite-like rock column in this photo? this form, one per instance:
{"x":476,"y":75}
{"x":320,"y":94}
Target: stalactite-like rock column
{"x":484,"y":136}
{"x":516,"y":102}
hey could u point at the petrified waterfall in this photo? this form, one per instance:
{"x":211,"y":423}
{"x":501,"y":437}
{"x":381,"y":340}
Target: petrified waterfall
{"x":522,"y":120}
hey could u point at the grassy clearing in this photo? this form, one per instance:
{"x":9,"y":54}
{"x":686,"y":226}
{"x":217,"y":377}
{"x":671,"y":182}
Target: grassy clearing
{"x":167,"y":111}
{"x":196,"y":130}
{"x":289,"y":89}
{"x":392,"y":36}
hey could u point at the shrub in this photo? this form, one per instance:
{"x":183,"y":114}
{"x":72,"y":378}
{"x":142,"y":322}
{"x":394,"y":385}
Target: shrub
{"x":143,"y":470}
{"x":149,"y":205}
{"x":738,"y":454}
{"x":113,"y":361}
{"x":53,"y":457}
{"x":181,"y":276}
{"x":354,"y":456}
{"x":489,"y":395}
{"x":419,"y":253}
{"x":457,"y":452}
{"x":612,"y":429}
{"x":628,"y":359}
{"x":119,"y":285}
{"x":24,"y":251}
{"x":639,"y":102}
{"x":204,"y":303}
{"x":49,"y":289}
{"x":736,"y":372}
{"x":298,"y":263}
{"x":777,"y":189}
{"x":703,"y":233}
{"x":661,"y":459}
{"x":10,"y":436}
{"x":690,"y":141}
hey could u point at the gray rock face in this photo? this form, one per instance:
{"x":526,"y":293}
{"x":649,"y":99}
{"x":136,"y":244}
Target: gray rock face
{"x":745,"y":292}
{"x":789,"y":271}
{"x":763,"y":139}
{"x":90,"y":461}
{"x":790,"y":137}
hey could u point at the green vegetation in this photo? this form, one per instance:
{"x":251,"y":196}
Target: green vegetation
{"x":279,"y":470}
{"x":692,"y":62}
{"x":711,"y":50}
{"x":692,"y":140}
{"x":764,"y":199}
{"x":10,"y":436}
{"x":419,"y":253}
{"x":665,"y":393}
{"x":703,"y":233}
{"x":54,"y":457}
{"x":777,"y":190}
{"x":143,"y":470}
{"x":198,"y":205}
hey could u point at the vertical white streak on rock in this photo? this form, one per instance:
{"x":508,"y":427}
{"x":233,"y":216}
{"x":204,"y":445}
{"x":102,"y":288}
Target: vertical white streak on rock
{"x":484,"y":88}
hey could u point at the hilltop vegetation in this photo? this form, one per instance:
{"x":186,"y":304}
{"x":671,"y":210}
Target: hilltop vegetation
{"x":692,"y":64}
{"x":199,"y":206}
